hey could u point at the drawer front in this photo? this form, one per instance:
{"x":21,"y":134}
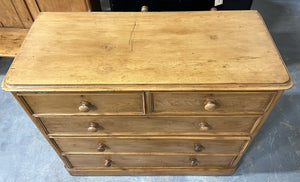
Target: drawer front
{"x":120,"y":103}
{"x":128,"y":125}
{"x":217,"y":102}
{"x":148,"y":161}
{"x":146,"y":145}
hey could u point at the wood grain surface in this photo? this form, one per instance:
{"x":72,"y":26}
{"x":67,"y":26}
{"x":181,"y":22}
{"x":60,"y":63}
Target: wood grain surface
{"x":148,"y":160}
{"x":8,"y":15}
{"x":23,"y":13}
{"x":101,"y":103}
{"x":148,"y":93}
{"x":150,"y":145}
{"x":168,"y":125}
{"x":11,"y":40}
{"x":226,"y":102}
{"x":231,"y":49}
{"x":62,"y":5}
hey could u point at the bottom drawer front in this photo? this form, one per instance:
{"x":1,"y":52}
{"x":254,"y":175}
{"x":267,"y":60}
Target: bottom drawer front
{"x":149,"y":161}
{"x":185,"y":145}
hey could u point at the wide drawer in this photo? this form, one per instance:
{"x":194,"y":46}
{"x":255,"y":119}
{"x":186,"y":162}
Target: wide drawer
{"x":104,"y":103}
{"x":215,"y":102}
{"x":141,"y":125}
{"x":111,"y":161}
{"x":150,"y":145}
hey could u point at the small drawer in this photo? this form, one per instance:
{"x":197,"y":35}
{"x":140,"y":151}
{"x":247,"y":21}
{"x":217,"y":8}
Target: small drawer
{"x":115,"y":161}
{"x":216,"y":102}
{"x":150,"y":145}
{"x":141,"y":125}
{"x":87,"y":104}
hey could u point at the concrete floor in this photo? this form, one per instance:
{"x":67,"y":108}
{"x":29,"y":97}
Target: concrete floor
{"x":274,"y":155}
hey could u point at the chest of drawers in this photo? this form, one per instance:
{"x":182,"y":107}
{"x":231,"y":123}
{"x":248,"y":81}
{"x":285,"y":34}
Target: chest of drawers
{"x":148,"y":93}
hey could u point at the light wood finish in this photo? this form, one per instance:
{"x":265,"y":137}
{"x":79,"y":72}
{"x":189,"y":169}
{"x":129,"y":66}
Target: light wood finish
{"x":105,"y":104}
{"x":148,"y":93}
{"x":148,"y":160}
{"x":167,"y":125}
{"x":9,"y":16}
{"x":33,"y":7}
{"x":11,"y":40}
{"x":220,"y":102}
{"x":236,"y":52}
{"x":62,"y":5}
{"x":37,"y":6}
{"x":150,"y":145}
{"x":23,"y":13}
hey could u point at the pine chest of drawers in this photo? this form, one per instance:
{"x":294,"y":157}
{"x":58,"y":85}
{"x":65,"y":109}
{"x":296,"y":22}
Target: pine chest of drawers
{"x":148,"y":93}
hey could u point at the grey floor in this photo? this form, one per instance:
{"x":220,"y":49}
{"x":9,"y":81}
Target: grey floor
{"x":273,"y":156}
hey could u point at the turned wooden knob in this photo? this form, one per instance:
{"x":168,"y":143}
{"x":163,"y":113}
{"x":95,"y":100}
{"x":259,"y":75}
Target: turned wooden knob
{"x":210,"y":105}
{"x":194,"y":162}
{"x":213,"y":9}
{"x":93,"y":127}
{"x":204,"y":126}
{"x":101,"y":147}
{"x":84,"y":106}
{"x":107,"y":163}
{"x":144,"y":9}
{"x":198,"y":148}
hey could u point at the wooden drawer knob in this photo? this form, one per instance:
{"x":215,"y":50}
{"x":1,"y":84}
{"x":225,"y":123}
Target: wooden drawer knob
{"x":93,"y":127}
{"x":101,"y":147}
{"x":210,"y":105}
{"x":204,"y":126}
{"x":84,"y":106}
{"x":107,"y":163}
{"x":144,"y":9}
{"x":194,"y":162}
{"x":198,"y":148}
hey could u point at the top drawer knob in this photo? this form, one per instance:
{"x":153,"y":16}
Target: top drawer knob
{"x":84,"y":106}
{"x":210,"y":105}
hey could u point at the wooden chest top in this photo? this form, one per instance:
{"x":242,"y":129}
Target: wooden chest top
{"x":107,"y":51}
